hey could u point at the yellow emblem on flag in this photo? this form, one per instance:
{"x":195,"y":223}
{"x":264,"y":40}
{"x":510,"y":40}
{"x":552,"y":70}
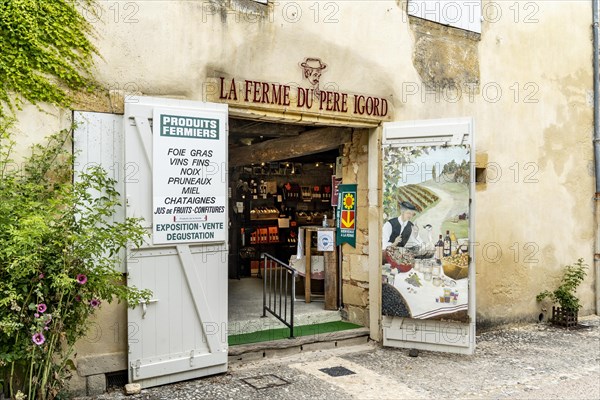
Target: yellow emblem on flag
{"x":349,"y":201}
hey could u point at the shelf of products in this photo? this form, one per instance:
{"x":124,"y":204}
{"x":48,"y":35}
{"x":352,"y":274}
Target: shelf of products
{"x":295,"y":192}
{"x":264,"y":213}
{"x":268,"y":208}
{"x":263,"y":235}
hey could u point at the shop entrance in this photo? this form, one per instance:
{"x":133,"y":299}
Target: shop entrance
{"x":180,"y":188}
{"x":280,"y":182}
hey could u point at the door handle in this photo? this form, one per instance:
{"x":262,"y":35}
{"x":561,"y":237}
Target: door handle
{"x":144,"y":306}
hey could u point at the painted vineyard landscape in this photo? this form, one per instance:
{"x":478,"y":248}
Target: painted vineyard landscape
{"x":421,"y":197}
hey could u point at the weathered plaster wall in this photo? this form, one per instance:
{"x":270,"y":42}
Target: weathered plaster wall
{"x":102,"y":350}
{"x":533,"y":123}
{"x":33,"y":124}
{"x":539,"y":211}
{"x":532,"y":111}
{"x":446,"y":58}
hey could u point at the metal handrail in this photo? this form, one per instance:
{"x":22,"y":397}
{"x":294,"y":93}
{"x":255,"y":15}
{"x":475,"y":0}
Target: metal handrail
{"x":272,"y":270}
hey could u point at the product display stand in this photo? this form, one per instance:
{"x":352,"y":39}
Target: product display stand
{"x":330,"y":261}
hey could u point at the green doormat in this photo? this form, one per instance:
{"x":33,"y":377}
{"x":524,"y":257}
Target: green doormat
{"x":283,"y":333}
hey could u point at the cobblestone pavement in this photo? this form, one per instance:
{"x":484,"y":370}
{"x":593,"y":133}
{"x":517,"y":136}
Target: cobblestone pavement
{"x":535,"y":361}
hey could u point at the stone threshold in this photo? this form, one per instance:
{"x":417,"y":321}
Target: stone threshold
{"x":285,"y":347}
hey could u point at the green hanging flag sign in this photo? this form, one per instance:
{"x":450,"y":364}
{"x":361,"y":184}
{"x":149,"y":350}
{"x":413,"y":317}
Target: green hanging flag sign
{"x":346,"y":215}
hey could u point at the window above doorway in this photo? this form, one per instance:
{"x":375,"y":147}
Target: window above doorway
{"x":462,"y":14}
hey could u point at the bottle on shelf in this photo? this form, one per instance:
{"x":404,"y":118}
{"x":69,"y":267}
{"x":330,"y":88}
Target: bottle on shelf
{"x":325,"y":220}
{"x":439,"y":249}
{"x":447,"y":245}
{"x":453,"y":242}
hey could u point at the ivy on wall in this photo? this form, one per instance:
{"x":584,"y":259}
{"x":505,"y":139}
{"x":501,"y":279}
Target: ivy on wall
{"x":45,"y":52}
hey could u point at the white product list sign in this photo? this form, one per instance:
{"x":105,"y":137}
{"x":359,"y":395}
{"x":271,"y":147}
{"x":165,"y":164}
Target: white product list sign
{"x":189,"y":176}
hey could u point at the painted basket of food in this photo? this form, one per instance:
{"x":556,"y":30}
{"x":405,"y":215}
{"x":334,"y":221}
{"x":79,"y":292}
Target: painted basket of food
{"x":456,"y":266}
{"x":399,"y":258}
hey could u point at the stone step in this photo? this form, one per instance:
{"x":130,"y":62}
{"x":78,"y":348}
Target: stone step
{"x":286,"y":347}
{"x":270,"y":322}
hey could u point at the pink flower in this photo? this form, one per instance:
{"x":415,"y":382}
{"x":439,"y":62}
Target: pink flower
{"x":46,"y":328}
{"x":94,"y":303}
{"x":77,"y":298}
{"x":41,"y":307}
{"x":81,"y":279}
{"x":48,"y":319}
{"x":41,"y":276}
{"x":38,"y":338}
{"x":36,"y":315}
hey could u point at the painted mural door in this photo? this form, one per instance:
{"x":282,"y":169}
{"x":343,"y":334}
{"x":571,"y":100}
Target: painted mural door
{"x":176,"y":181}
{"x":428,"y":277}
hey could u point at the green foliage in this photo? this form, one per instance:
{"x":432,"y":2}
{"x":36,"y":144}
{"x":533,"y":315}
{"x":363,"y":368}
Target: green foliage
{"x":45,"y":51}
{"x":564,"y":295}
{"x":395,"y":158}
{"x":461,"y":171}
{"x":59,"y":254}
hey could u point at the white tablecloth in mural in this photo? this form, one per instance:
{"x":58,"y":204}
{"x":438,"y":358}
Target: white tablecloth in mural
{"x":429,"y":300}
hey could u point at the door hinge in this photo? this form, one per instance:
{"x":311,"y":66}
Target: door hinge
{"x":136,"y":367}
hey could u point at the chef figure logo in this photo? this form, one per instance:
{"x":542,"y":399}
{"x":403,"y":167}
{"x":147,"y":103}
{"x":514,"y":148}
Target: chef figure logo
{"x":312,"y":68}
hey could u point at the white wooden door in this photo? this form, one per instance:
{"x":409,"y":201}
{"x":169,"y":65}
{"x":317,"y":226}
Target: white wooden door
{"x":98,"y":142}
{"x":428,"y":295}
{"x":181,"y":333}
